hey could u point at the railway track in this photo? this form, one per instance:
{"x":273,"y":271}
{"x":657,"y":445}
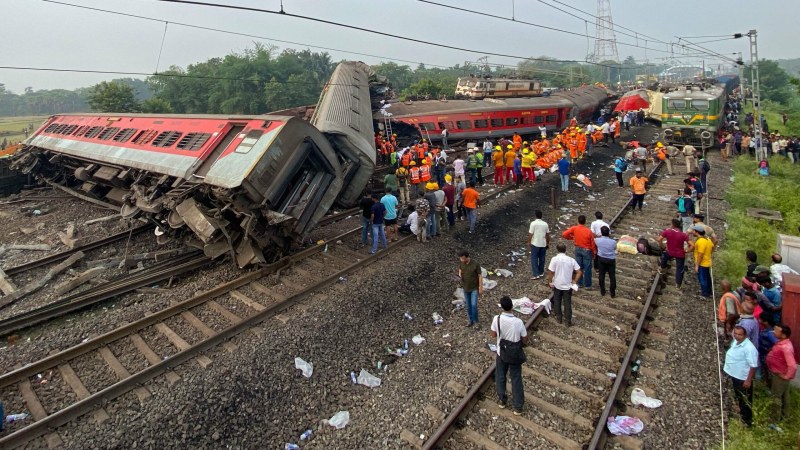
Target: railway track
{"x":577,"y":377}
{"x":181,"y":333}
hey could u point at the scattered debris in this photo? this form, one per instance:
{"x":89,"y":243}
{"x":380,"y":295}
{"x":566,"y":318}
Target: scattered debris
{"x":368,"y":379}
{"x":38,"y":284}
{"x":638,"y":397}
{"x":339,"y":420}
{"x":304,"y":366}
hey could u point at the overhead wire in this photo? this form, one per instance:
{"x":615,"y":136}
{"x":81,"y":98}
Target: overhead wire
{"x":376,"y":32}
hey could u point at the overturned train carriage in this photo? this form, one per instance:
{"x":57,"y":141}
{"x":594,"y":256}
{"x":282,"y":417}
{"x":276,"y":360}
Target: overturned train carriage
{"x":245,"y":185}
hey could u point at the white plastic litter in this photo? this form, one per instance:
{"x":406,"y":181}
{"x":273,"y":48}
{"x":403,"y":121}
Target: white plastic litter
{"x":339,"y":420}
{"x":624,"y":425}
{"x":504,"y":273}
{"x":489,"y":284}
{"x":545,"y":303}
{"x":574,"y":287}
{"x":306,"y":367}
{"x":368,"y":379}
{"x":611,"y":375}
{"x":664,"y":198}
{"x":484,"y":273}
{"x":418,"y":339}
{"x":638,"y":397}
{"x":459,"y":294}
{"x":523,"y":305}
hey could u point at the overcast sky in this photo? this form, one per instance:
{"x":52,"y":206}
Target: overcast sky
{"x":43,"y":34}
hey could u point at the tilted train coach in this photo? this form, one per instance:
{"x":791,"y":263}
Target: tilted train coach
{"x":491,"y":117}
{"x":246,"y":185}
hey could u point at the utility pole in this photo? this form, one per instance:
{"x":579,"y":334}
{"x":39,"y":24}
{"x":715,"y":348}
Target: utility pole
{"x":756,"y":90}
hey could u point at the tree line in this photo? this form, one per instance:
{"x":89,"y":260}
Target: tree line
{"x":262,"y":79}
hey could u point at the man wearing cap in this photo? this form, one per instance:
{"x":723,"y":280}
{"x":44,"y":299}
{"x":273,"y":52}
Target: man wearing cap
{"x":528,"y":160}
{"x":511,"y":328}
{"x":402,"y":184}
{"x":703,"y":247}
{"x":663,"y":156}
{"x":479,"y":169}
{"x":441,"y":209}
{"x":638,"y":189}
{"x":499,"y":166}
{"x":689,"y":153}
{"x":697,"y":219}
{"x":414,"y":178}
{"x":563,"y":171}
{"x":509,"y":163}
{"x":450,"y":199}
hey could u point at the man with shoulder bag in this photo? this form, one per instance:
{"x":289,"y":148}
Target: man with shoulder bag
{"x":509,"y":330}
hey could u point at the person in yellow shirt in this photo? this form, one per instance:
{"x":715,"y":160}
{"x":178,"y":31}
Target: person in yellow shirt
{"x":638,"y":189}
{"x":509,"y":156}
{"x":528,"y":160}
{"x":703,"y":247}
{"x":499,"y":169}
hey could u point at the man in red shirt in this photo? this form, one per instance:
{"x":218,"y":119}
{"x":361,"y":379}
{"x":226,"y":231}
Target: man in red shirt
{"x":782,"y":368}
{"x":675,"y":239}
{"x":585,"y":249}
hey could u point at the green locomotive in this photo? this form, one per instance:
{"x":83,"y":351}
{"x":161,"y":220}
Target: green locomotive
{"x":693,"y":114}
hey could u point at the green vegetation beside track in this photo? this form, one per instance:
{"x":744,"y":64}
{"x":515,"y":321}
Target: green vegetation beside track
{"x":779,"y":191}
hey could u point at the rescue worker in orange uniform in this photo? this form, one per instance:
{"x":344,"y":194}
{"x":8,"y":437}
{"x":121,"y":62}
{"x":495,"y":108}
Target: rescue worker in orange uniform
{"x":517,"y":140}
{"x":424,"y":171}
{"x":499,"y":166}
{"x":572,"y":145}
{"x":414,"y":176}
{"x":424,"y":145}
{"x":509,"y":159}
{"x":406,"y":159}
{"x":581,"y":142}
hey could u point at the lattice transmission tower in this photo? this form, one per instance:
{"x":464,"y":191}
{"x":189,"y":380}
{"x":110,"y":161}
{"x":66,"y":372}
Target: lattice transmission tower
{"x":605,"y":43}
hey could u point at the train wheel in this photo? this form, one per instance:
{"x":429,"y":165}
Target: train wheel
{"x":128,"y":211}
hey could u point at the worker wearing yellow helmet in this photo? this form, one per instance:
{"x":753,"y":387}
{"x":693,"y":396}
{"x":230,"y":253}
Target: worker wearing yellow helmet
{"x":497,"y":148}
{"x":499,"y":163}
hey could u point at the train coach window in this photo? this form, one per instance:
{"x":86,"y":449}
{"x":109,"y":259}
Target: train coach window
{"x":550,"y":119}
{"x":676,"y":104}
{"x":448,"y":125}
{"x":464,"y":124}
{"x":124,"y":135}
{"x":700,"y":104}
{"x":108,"y":133}
{"x":497,"y":123}
{"x":193,"y":141}
{"x":93,"y":132}
{"x":50,"y":128}
{"x":81,"y":129}
{"x":538,"y":119}
{"x":427,"y":126}
{"x":481,"y":123}
{"x":526,"y":120}
{"x":166,"y":138}
{"x":144,"y":137}
{"x":249,"y":141}
{"x":512,"y":121}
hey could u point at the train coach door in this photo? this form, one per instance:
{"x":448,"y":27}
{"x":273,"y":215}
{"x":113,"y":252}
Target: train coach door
{"x":234,"y":131}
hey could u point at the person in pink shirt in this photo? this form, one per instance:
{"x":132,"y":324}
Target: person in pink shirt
{"x":782,"y":368}
{"x":675,"y":244}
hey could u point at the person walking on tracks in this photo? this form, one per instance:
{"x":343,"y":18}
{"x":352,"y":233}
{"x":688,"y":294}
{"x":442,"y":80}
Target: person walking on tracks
{"x":638,"y":189}
{"x":511,"y":335}
{"x":702,"y":260}
{"x":689,"y":153}
{"x":563,"y":171}
{"x":741,"y":361}
{"x":607,"y":262}
{"x":470,"y":273}
{"x":378,"y":214}
{"x":563,"y":274}
{"x":620,"y":166}
{"x":674,"y":239}
{"x":471,"y":199}
{"x":539,"y":240}
{"x":585,"y":249}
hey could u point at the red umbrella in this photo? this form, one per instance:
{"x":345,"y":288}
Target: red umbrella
{"x":633,"y":101}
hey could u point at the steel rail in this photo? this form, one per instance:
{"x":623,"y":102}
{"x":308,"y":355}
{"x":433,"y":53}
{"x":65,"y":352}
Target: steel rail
{"x":459,"y":413}
{"x":169,"y":268}
{"x":65,"y":254}
{"x":98,"y":399}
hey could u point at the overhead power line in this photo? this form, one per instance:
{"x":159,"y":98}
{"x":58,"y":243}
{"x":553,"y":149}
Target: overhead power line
{"x":376,"y":32}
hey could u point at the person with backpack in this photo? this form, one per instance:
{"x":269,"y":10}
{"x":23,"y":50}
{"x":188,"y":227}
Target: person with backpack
{"x":511,"y":335}
{"x":620,"y":166}
{"x":685,"y":206}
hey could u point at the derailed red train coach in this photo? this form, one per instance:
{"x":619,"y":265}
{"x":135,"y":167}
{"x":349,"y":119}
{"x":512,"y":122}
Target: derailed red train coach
{"x":248,"y":185}
{"x":490,"y":117}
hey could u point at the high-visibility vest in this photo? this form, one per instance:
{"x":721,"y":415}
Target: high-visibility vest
{"x":662,"y":155}
{"x":424,"y":172}
{"x":472,"y":162}
{"x":425,"y":147}
{"x":393,"y":158}
{"x":415,"y":172}
{"x":405,"y":160}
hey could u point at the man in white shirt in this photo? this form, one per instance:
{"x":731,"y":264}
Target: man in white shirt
{"x":543,"y":131}
{"x":598,"y":224}
{"x":563,"y":275}
{"x":741,"y":361}
{"x":511,"y":328}
{"x":605,"y":129}
{"x":539,"y":240}
{"x":777,"y":269}
{"x":445,"y":135}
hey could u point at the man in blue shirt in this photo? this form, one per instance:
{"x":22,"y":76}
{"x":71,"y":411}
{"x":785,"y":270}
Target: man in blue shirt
{"x":377,"y":216}
{"x":563,"y":170}
{"x":619,"y":167}
{"x":773,"y":305}
{"x":607,"y":262}
{"x":741,"y":361}
{"x":389,"y":202}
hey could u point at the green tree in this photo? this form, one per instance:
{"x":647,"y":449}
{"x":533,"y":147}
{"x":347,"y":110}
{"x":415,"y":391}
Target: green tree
{"x":775,"y":82}
{"x":156,"y":105}
{"x":112,"y":97}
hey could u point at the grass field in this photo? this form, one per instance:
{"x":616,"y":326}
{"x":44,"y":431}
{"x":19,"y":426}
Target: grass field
{"x":779,"y":191}
{"x":15,"y":125}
